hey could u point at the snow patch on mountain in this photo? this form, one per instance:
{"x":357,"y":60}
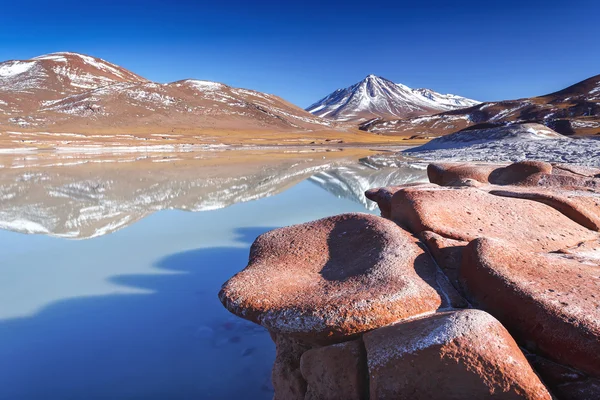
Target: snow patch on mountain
{"x":12,"y":68}
{"x":205,"y":85}
{"x":62,"y":73}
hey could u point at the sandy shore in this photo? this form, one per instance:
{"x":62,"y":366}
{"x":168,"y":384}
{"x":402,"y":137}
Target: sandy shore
{"x":188,"y":140}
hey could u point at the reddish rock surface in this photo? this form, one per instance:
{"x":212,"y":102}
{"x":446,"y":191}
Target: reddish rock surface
{"x":582,"y":207}
{"x":459,"y":174}
{"x":383,"y":197}
{"x":464,"y":214}
{"x":333,"y":278}
{"x":524,"y":173}
{"x":584,"y":252}
{"x":589,"y":172}
{"x":463,"y":354}
{"x":549,"y":302}
{"x":288,"y":382}
{"x":561,"y":180}
{"x":335,"y":372}
{"x":520,"y":173}
{"x":447,"y":253}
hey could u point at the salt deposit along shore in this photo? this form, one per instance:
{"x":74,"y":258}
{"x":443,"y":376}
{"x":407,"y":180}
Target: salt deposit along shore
{"x":482,"y":283}
{"x":510,"y":143}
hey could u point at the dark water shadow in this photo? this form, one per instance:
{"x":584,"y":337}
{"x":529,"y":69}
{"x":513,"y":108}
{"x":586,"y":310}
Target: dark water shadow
{"x":174,"y":342}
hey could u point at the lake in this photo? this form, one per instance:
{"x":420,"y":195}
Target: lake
{"x":110,"y":264}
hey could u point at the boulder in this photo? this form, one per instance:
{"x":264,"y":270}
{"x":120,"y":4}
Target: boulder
{"x":523,"y":173}
{"x":338,"y":371}
{"x":459,"y":174}
{"x":287,"y":379}
{"x":578,"y":170}
{"x":383,"y":198}
{"x":465,"y":214}
{"x":581,"y":206}
{"x":447,"y":253}
{"x":550,"y":302}
{"x":463,"y":354}
{"x":520,"y":173}
{"x":561,"y":180}
{"x":328,"y":280}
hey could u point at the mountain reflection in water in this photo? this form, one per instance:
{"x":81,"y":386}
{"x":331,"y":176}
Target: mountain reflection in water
{"x":135,"y":314}
{"x":85,"y":196}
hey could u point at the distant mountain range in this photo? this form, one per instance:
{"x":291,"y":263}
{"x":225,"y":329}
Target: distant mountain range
{"x":76,"y":93}
{"x":574,"y":110}
{"x":376,"y":97}
{"x":71,"y":91}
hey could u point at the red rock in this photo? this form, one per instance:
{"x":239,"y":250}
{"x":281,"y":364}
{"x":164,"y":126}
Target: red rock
{"x":288,"y":382}
{"x":578,"y":170}
{"x":549,"y":302}
{"x":337,"y":371}
{"x":561,"y":180}
{"x":519,"y":173}
{"x":330,"y":279}
{"x":585,"y":252}
{"x":459,"y":174}
{"x":582,"y":207}
{"x":465,"y":214}
{"x":463,"y":354}
{"x":383,"y":198}
{"x":524,"y":173}
{"x":447,"y":253}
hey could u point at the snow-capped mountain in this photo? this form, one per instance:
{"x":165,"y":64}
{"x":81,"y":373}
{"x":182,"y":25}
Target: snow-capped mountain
{"x":376,"y":97}
{"x":573,"y":110}
{"x":70,"y":92}
{"x":26,"y":83}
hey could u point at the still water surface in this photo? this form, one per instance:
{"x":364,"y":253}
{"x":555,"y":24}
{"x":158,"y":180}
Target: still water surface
{"x":109,"y":292}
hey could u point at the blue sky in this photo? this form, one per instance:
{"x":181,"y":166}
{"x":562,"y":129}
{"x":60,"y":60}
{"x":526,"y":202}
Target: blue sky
{"x":301,"y":51}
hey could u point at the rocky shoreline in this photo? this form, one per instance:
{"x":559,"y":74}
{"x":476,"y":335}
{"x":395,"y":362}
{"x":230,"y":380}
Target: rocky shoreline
{"x":482,"y":283}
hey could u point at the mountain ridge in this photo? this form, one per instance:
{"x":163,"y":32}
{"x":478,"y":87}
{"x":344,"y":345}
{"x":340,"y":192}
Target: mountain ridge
{"x":69,"y":92}
{"x":572,"y":110}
